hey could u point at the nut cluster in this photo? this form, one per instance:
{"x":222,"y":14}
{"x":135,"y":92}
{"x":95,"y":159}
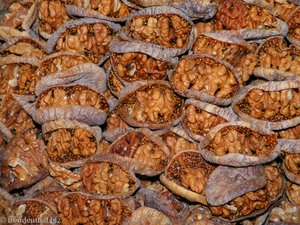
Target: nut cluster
{"x":206,"y":76}
{"x":114,"y":121}
{"x":190,"y":171}
{"x":286,"y":212}
{"x":291,"y":133}
{"x":153,"y":104}
{"x":243,"y":59}
{"x":236,"y":14}
{"x":65,"y":145}
{"x":242,"y":140}
{"x":176,"y":143}
{"x":15,"y":14}
{"x":292,"y":162}
{"x":18,"y":78}
{"x":72,"y":95}
{"x":283,"y":8}
{"x":52,"y":14}
{"x":91,"y":40}
{"x":275,"y":181}
{"x":25,"y":161}
{"x":106,"y":178}
{"x":14,"y":117}
{"x":167,"y":30}
{"x":79,"y":209}
{"x":110,"y":8}
{"x":133,"y":66}
{"x":271,"y":105}
{"x":243,"y":205}
{"x":293,"y":193}
{"x":199,"y":121}
{"x":275,"y":54}
{"x":59,"y":63}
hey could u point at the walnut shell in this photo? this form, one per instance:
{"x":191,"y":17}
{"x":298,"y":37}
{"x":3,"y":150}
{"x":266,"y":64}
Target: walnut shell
{"x":188,"y":79}
{"x":273,"y":53}
{"x":282,"y":90}
{"x":186,"y":175}
{"x":23,"y":46}
{"x":239,"y":144}
{"x":108,"y":176}
{"x":146,"y":215}
{"x":56,"y":41}
{"x":165,"y":11}
{"x":24,"y":162}
{"x":150,"y":104}
{"x":81,"y":208}
{"x":143,"y":150}
{"x":205,"y":113}
{"x":70,"y":142}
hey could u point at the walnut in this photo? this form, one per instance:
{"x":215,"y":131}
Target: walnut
{"x":168,"y":30}
{"x":131,"y":66}
{"x":107,"y":178}
{"x":242,"y":140}
{"x":283,"y":8}
{"x":69,"y":144}
{"x":292,"y":162}
{"x":286,"y":212}
{"x":294,"y":25}
{"x":271,"y":106}
{"x":19,"y":78}
{"x":293,"y":193}
{"x":16,"y":14}
{"x":151,"y":104}
{"x":290,"y":133}
{"x":77,"y":208}
{"x":60,"y":63}
{"x":25,"y":161}
{"x":25,"y":47}
{"x":52,"y":14}
{"x":236,"y":14}
{"x":71,"y":95}
{"x":14,"y":117}
{"x":149,"y":155}
{"x":110,"y":8}
{"x":275,"y":181}
{"x":177,"y":143}
{"x":90,"y":40}
{"x":114,"y":84}
{"x":65,"y":177}
{"x":205,"y":75}
{"x":200,"y":121}
{"x":202,"y":27}
{"x":241,"y":57}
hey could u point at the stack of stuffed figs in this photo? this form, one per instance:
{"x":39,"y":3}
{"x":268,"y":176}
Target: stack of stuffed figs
{"x":141,"y":112}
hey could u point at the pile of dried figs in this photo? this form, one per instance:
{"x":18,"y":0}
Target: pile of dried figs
{"x":150,"y":112}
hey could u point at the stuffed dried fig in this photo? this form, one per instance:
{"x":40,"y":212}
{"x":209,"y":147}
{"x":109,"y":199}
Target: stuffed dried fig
{"x":276,"y":61}
{"x":151,"y":104}
{"x":78,"y":208}
{"x":290,"y":133}
{"x":143,"y":150}
{"x":148,"y":216}
{"x":294,"y":27}
{"x":201,"y":117}
{"x":34,"y":211}
{"x":291,"y":166}
{"x":187,"y":175}
{"x":88,"y":37}
{"x":248,"y":20}
{"x":112,"y":10}
{"x":178,"y":140}
{"x":283,"y":8}
{"x":164,"y":27}
{"x":51,"y":15}
{"x":230,"y":48}
{"x":25,"y":161}
{"x":13,"y":118}
{"x":70,"y":142}
{"x":239,"y":144}
{"x":22,"y":46}
{"x":285,"y":213}
{"x":205,"y":78}
{"x":108,"y":176}
{"x":271,"y":104}
{"x":75,"y":102}
{"x":293,"y":193}
{"x":18,"y":75}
